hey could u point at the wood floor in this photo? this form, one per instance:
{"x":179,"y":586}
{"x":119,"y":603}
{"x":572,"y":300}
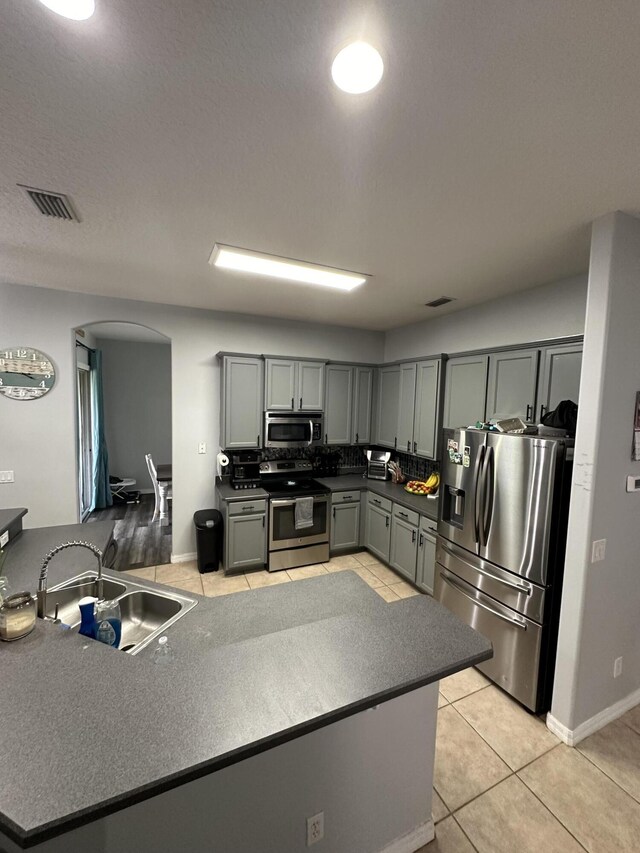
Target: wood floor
{"x":141,"y":542}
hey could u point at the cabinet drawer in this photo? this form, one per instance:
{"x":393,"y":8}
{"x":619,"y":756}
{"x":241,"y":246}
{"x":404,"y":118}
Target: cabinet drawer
{"x":405,"y":514}
{"x":428,"y":525}
{"x":247,"y":507}
{"x":381,"y":503}
{"x":345,"y":497}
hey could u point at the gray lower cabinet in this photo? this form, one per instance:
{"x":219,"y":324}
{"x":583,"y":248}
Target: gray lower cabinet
{"x":378,"y":530}
{"x":245,"y":535}
{"x":338,"y":404}
{"x":560,"y":369}
{"x":345,"y":524}
{"x":511,"y":390}
{"x":465,"y":390}
{"x":404,"y":548}
{"x":242,"y":402}
{"x":425,"y":576}
{"x":362,"y":405}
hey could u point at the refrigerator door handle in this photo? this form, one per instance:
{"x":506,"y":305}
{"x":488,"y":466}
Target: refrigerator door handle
{"x":517,"y":623}
{"x":488,"y":492}
{"x":477,"y":492}
{"x":521,"y":587}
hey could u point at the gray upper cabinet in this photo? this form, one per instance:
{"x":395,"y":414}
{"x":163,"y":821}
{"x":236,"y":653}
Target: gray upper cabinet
{"x":559,"y":376}
{"x":465,"y":390}
{"x":338,"y":399}
{"x":426,"y":412}
{"x":362,"y":405}
{"x":405,"y":412}
{"x":512,"y":384}
{"x":281,"y":385}
{"x":242,"y":402}
{"x":294,"y":386}
{"x":310,"y":392}
{"x":387,"y":404}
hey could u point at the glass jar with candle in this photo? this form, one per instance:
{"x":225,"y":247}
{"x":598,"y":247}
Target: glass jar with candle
{"x":17,"y":616}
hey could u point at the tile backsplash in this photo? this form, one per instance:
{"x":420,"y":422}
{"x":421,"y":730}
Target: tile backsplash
{"x":354,"y":457}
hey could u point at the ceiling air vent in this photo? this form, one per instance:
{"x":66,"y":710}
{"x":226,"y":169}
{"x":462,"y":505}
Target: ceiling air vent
{"x":52,"y":204}
{"x":436,"y":303}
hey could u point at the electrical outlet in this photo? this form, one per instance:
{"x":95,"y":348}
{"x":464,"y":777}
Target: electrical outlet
{"x":202,"y":447}
{"x":315,"y":828}
{"x":597,"y":550}
{"x":4,"y":539}
{"x":6,"y":476}
{"x":617,"y":667}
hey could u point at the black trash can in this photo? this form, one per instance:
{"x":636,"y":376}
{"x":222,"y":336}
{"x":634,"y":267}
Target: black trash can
{"x":209,"y":530}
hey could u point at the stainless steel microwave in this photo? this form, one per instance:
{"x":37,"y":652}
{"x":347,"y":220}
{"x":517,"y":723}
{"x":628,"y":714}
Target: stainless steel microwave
{"x":293,"y":429}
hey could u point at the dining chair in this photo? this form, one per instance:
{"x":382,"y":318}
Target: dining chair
{"x":161,"y":490}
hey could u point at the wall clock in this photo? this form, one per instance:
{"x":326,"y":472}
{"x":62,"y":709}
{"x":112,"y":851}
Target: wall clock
{"x":25,"y":373}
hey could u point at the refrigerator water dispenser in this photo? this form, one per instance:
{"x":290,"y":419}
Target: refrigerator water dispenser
{"x":453,"y":506}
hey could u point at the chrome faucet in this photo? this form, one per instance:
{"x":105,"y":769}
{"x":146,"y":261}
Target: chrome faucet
{"x":42,"y":582}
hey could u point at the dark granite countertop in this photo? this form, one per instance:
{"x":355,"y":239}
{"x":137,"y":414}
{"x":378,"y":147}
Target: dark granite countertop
{"x":385,"y":488}
{"x":420,"y":503}
{"x":249,"y":671}
{"x":9,"y":516}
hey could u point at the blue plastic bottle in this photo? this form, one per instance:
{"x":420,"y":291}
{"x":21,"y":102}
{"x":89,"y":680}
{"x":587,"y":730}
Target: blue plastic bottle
{"x":87,"y":615}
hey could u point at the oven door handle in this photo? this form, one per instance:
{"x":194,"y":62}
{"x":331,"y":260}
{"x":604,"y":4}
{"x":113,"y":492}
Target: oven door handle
{"x":447,"y":578}
{"x":316,"y":499}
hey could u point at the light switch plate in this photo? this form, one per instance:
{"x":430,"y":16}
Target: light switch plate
{"x":4,"y":539}
{"x":597,"y":550}
{"x":6,"y":476}
{"x":633,"y":484}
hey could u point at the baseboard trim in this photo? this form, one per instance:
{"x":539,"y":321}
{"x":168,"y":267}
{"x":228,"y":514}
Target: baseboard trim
{"x":572,"y":737}
{"x":412,"y":841}
{"x":184,"y":558}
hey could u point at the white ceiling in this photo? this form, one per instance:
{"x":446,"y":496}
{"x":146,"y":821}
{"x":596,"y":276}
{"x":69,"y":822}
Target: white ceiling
{"x":500,"y":130}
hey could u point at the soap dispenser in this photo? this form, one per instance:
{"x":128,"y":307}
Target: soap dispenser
{"x":87,"y":614}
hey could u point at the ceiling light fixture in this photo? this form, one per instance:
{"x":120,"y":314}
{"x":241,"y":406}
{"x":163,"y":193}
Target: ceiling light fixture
{"x":77,"y":10}
{"x":357,"y":68}
{"x":258,"y":263}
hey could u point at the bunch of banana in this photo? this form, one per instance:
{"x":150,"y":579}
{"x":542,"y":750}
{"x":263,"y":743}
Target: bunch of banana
{"x":423,"y":487}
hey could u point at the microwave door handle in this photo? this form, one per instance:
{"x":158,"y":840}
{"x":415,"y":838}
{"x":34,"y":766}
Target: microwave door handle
{"x":310,"y":433}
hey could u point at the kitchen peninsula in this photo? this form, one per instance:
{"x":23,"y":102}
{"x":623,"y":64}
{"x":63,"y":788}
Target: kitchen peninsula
{"x":262,"y":718}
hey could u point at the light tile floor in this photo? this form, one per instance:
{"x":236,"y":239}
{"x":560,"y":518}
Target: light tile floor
{"x":503,"y":783}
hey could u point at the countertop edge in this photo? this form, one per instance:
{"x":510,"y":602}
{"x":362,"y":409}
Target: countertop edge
{"x":56,"y":828}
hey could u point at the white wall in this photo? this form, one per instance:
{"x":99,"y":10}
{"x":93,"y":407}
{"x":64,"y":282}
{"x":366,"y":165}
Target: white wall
{"x":600,"y":618}
{"x":38,"y":438}
{"x":552,"y":311}
{"x":137,"y":406}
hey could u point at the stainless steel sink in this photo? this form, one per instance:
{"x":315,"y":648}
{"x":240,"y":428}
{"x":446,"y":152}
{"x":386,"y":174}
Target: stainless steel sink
{"x":146,"y":613}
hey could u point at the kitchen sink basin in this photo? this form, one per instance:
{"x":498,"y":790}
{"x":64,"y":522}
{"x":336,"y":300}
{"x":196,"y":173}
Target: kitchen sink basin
{"x":145,"y":612}
{"x":69,"y":594}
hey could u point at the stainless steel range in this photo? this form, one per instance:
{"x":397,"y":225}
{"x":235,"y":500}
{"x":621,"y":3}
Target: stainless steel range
{"x":299,"y":517}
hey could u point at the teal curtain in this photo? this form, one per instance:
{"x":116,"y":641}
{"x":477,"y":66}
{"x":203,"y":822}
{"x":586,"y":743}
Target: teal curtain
{"x":101,"y":492}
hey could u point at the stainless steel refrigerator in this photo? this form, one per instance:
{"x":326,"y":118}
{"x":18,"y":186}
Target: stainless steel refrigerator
{"x":500,"y":550}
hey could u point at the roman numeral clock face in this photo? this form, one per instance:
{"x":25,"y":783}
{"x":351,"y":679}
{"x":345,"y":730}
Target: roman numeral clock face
{"x":25,"y":373}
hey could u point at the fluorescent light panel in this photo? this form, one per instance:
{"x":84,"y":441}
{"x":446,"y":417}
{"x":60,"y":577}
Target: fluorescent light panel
{"x":258,"y":263}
